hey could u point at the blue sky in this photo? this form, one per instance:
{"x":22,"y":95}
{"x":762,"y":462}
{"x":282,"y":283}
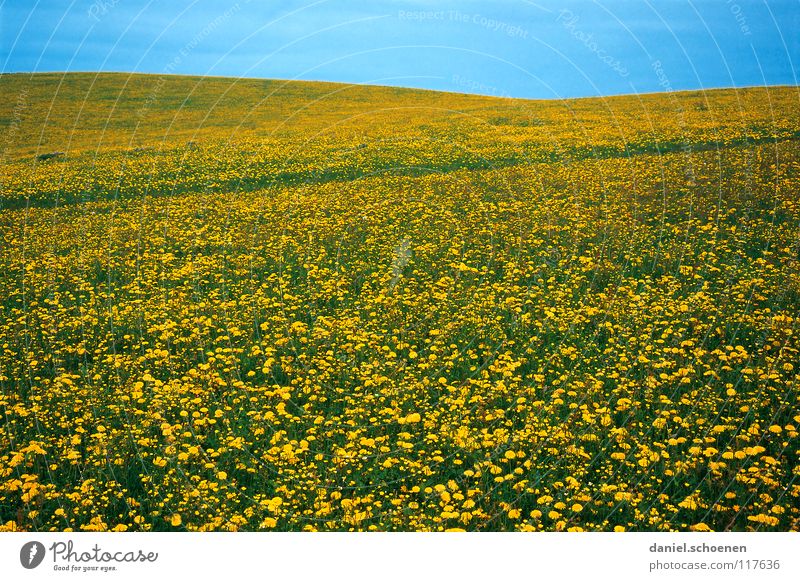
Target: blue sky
{"x":518,"y":48}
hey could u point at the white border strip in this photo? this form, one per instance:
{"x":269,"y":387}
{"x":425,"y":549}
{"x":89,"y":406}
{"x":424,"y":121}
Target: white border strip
{"x":379,"y":556}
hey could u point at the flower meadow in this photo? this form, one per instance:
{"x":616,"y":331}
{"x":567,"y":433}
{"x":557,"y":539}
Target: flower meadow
{"x":257,"y":305}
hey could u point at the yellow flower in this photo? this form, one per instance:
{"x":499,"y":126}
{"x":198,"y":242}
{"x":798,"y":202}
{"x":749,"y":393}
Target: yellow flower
{"x":764,"y":519}
{"x":702,"y":527}
{"x":412,"y":418}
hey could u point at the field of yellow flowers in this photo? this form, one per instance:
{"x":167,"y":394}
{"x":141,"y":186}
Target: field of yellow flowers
{"x":256,"y":305}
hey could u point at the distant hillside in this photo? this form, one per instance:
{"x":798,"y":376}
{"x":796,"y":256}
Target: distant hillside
{"x":76,"y":112}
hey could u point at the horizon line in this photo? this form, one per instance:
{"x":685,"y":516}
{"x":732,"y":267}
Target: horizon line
{"x":403,"y":87}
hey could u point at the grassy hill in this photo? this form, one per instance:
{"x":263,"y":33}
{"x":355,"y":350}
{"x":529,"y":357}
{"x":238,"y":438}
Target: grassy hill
{"x":264,"y":305}
{"x":113,"y":111}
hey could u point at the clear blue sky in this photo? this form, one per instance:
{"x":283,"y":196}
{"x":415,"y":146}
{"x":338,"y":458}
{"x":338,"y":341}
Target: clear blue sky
{"x":541,"y":49}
